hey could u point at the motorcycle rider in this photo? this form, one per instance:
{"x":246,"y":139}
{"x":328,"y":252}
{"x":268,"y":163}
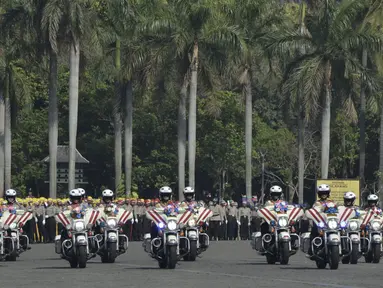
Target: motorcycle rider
{"x":11,"y":203}
{"x":189,"y":195}
{"x":372,"y":201}
{"x":275,"y":195}
{"x":165,"y":196}
{"x":107,"y":198}
{"x":323,"y":192}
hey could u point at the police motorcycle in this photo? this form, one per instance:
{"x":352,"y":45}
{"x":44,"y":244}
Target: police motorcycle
{"x":165,"y":247}
{"x":112,"y":242}
{"x":12,"y":240}
{"x":326,"y":247}
{"x":371,"y":236}
{"x":280,"y":243}
{"x":199,"y":241}
{"x":351,"y":244}
{"x":77,"y":244}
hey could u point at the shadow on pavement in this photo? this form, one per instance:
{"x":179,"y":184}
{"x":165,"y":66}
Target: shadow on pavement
{"x":298,"y":268}
{"x":52,"y":268}
{"x":252,"y":263}
{"x":142,"y":268}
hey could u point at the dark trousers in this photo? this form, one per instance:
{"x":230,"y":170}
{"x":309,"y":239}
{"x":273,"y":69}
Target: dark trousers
{"x":214,"y":229}
{"x":42,"y":232}
{"x":244,"y":232}
{"x":30,"y":229}
{"x":231,"y":227}
{"x":50,"y":226}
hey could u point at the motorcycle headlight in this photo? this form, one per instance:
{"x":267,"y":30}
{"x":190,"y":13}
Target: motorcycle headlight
{"x":79,"y":226}
{"x":191,"y":223}
{"x":172,"y":225}
{"x":332,"y":224}
{"x":12,"y":226}
{"x":282,"y":222}
{"x":375,"y":225}
{"x":353,"y":225}
{"x":112,"y":223}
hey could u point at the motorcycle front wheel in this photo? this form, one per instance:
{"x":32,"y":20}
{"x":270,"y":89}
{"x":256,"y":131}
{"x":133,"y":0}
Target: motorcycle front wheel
{"x":284,"y":253}
{"x":192,"y":255}
{"x":112,"y":252}
{"x":333,"y":257}
{"x":376,"y":253}
{"x":171,"y":256}
{"x":354,"y":253}
{"x":81,"y":256}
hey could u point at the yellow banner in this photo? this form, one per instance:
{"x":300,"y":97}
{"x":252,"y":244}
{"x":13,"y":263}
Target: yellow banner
{"x":339,"y":187}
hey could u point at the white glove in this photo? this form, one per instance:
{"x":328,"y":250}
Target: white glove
{"x":239,"y":223}
{"x":132,"y":220}
{"x":43,"y":222}
{"x":220,"y":223}
{"x":36,"y":219}
{"x":226,"y":221}
{"x":248,"y":224}
{"x":136,"y":220}
{"x":46,"y":216}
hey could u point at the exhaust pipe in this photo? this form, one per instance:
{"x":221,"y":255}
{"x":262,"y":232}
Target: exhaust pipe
{"x":67,"y":244}
{"x":156,"y":242}
{"x":267,"y":238}
{"x":317,"y":241}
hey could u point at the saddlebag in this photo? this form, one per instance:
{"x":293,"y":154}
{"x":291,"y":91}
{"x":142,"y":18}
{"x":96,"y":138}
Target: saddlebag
{"x":58,"y":244}
{"x":256,"y":241}
{"x":305,"y":242}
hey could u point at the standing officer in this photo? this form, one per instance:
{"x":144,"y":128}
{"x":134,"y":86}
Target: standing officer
{"x":232,"y":216}
{"x":244,"y":214}
{"x":50,"y":222}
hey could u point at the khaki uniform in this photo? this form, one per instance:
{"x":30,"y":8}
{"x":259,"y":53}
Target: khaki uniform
{"x":244,"y":215}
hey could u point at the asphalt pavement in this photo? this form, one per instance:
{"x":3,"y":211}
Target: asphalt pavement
{"x":225,"y":264}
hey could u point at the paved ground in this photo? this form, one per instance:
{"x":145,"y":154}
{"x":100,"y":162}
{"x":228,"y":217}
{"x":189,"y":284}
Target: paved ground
{"x":225,"y":264}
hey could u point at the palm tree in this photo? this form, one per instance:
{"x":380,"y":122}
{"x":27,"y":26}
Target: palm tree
{"x":69,"y":21}
{"x":329,"y":44}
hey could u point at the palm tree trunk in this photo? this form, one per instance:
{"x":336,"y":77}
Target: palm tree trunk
{"x":128,"y":136}
{"x":182,"y":137}
{"x":301,"y":150}
{"x":73,"y":110}
{"x":193,"y":115}
{"x":53,"y":125}
{"x":248,"y":135}
{"x":326,"y":118}
{"x":7,"y":137}
{"x":381,"y":152}
{"x":2,"y":142}
{"x":117,"y":121}
{"x":362,"y":125}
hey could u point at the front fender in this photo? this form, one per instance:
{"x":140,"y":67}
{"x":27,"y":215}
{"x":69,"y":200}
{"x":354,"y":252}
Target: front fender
{"x":171,"y":240}
{"x":376,"y":238}
{"x":284,"y":236}
{"x":333,"y":239}
{"x":192,"y":234}
{"x":81,"y":240}
{"x":354,"y":238}
{"x":112,"y":237}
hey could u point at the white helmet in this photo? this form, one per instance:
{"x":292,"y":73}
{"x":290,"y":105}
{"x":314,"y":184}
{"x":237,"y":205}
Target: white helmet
{"x":276,"y":189}
{"x":165,"y":190}
{"x":107,"y":193}
{"x":82,"y":191}
{"x":349,"y":195}
{"x":372,"y":198}
{"x":188,"y":190}
{"x":10,"y":193}
{"x":324,"y":188}
{"x":75,"y":193}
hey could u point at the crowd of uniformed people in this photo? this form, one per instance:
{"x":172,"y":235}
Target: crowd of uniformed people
{"x":229,"y":222}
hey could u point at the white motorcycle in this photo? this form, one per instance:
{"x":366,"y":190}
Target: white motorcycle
{"x":74,"y":242}
{"x":112,"y":241}
{"x":372,"y":237}
{"x":351,"y":245}
{"x":165,"y":247}
{"x":12,"y":241}
{"x":326,"y":247}
{"x":279,"y":244}
{"x":198,"y":240}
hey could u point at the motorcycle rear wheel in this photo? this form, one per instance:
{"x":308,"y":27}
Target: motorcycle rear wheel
{"x":192,"y":255}
{"x":284,"y":253}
